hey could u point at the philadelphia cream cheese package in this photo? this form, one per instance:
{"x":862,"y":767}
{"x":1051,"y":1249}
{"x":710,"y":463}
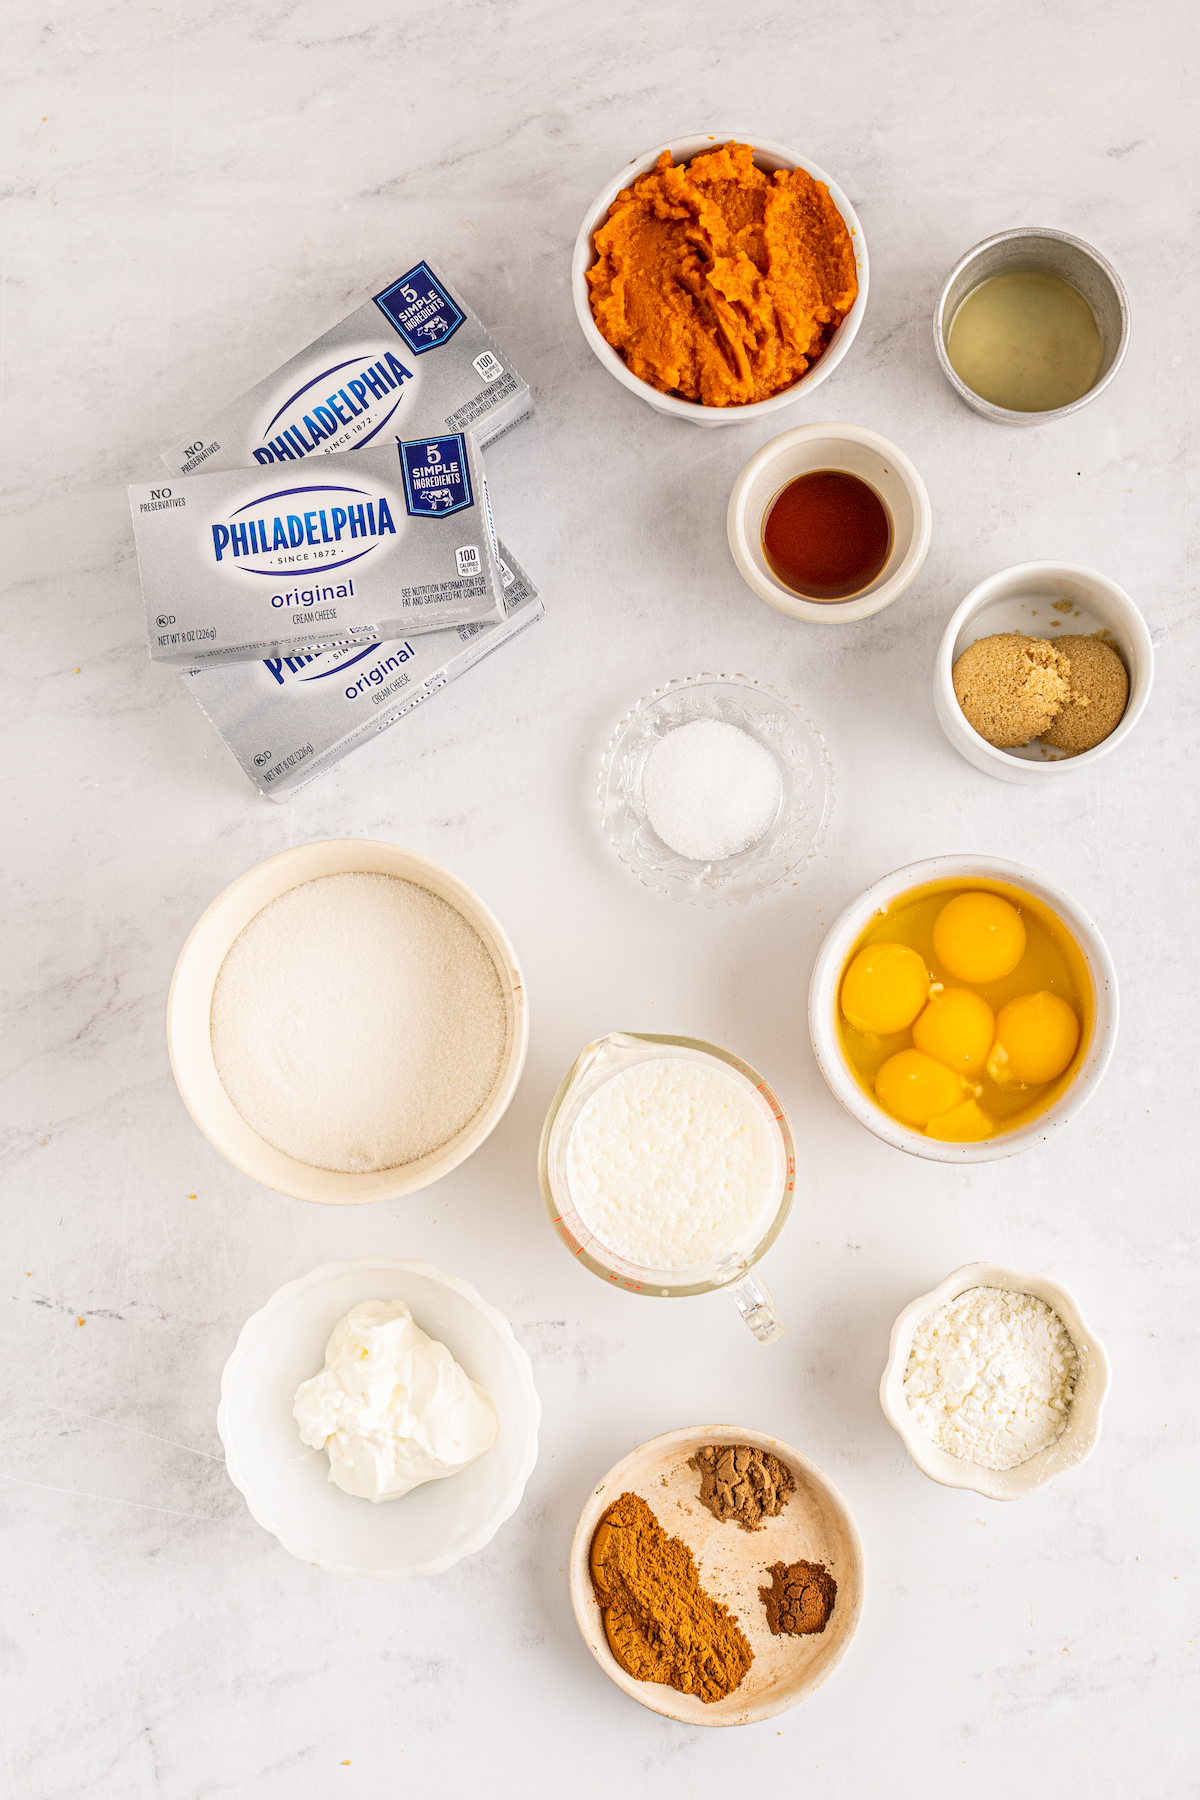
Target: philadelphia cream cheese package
{"x":393,"y":542}
{"x":289,"y":718}
{"x":414,"y":359}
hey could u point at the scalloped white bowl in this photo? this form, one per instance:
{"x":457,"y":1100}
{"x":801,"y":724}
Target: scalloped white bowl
{"x":286,"y":1485}
{"x":1083,"y":1426}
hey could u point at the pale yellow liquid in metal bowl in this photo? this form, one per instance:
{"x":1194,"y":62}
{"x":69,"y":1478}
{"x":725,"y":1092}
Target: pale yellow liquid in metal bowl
{"x":1026,"y":340}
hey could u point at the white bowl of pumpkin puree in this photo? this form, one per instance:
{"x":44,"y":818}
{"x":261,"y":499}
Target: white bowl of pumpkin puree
{"x":720,"y":277}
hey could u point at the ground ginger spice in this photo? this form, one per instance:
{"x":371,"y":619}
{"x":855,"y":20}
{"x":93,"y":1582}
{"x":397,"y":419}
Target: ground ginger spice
{"x":661,"y":1625}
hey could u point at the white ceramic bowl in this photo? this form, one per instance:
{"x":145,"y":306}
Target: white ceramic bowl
{"x":733,"y":1564}
{"x":828,"y":446}
{"x":189,"y":1007}
{"x":826,"y":982}
{"x":768,"y":156}
{"x":1083,"y":1425}
{"x":286,"y":1485}
{"x":1023,"y":598}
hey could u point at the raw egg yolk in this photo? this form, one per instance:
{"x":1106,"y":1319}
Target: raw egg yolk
{"x":979,"y":937}
{"x":966,"y":1123}
{"x":1036,"y":1035}
{"x":914,"y":1088}
{"x":956,"y":1028}
{"x":885,"y":988}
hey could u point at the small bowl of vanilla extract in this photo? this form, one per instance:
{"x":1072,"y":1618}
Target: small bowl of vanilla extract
{"x":829,"y":523}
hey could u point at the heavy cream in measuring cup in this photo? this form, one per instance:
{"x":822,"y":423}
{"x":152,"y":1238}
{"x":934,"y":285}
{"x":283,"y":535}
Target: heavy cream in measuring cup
{"x":673,"y":1163}
{"x":247,"y":563}
{"x":414,"y":359}
{"x":289,"y":718}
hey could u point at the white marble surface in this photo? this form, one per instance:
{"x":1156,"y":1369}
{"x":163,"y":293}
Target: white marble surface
{"x":195,"y":191}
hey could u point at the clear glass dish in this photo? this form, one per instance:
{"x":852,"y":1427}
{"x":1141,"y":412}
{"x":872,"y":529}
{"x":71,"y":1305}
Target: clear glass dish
{"x":591,"y":1069}
{"x":790,"y":842}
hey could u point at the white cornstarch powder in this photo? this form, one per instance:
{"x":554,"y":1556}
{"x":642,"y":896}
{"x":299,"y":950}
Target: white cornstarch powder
{"x":357,"y":1022}
{"x":710,"y":790}
{"x":672,"y":1163}
{"x":991,"y":1376}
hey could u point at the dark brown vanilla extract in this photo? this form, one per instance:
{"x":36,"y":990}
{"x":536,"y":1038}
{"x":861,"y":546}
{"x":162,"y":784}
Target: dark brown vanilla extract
{"x":827,"y":535}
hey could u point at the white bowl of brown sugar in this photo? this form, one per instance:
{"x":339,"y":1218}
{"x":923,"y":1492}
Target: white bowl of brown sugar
{"x":1054,"y":607}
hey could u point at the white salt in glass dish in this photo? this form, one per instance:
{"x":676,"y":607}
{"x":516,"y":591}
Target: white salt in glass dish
{"x":805,"y":804}
{"x":599,"y":1063}
{"x":1083,"y":1421}
{"x":1027,"y":598}
{"x":769,"y":157}
{"x":285,"y":1483}
{"x":852,"y":448}
{"x":189,"y":1011}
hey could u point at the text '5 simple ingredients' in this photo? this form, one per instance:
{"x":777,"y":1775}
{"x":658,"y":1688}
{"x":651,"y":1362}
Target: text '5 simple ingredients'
{"x":391,"y":1406}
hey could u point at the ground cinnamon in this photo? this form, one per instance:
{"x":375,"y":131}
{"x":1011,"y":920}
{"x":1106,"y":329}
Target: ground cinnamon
{"x":742,"y":1483}
{"x":799,"y":1599}
{"x":660,"y":1624}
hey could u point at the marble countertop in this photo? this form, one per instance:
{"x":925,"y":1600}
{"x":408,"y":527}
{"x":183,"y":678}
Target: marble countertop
{"x":195,"y":192}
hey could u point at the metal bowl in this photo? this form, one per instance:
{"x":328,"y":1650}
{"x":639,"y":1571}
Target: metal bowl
{"x":1037,"y":247}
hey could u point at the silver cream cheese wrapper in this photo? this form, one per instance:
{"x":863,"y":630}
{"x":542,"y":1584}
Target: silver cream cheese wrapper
{"x":395,"y":541}
{"x":287,"y":719}
{"x":413,"y":359}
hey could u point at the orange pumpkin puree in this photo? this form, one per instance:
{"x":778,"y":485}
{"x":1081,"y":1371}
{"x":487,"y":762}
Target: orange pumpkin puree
{"x":718,"y":282}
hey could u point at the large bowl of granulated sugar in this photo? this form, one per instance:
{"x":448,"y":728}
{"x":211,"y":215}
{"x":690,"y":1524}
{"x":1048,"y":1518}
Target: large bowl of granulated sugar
{"x":347,"y":1022}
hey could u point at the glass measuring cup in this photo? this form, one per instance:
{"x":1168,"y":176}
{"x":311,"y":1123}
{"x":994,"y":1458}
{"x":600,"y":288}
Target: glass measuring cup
{"x":600,"y":1061}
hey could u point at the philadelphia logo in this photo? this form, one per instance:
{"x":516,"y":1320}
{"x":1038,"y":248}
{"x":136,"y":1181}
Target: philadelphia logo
{"x":342,"y":408}
{"x":332,"y":525}
{"x":299,"y":668}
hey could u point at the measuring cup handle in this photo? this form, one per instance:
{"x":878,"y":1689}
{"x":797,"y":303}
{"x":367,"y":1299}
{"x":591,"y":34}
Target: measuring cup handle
{"x":757,"y":1308}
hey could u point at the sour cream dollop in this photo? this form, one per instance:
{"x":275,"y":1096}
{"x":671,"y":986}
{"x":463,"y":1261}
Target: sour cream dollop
{"x":391,"y":1405}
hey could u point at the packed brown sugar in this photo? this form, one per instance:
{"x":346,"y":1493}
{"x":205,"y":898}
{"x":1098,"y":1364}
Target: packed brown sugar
{"x":721,"y":283}
{"x":660,"y":1624}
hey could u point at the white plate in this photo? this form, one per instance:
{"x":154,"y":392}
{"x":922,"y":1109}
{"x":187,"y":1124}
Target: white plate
{"x":286,"y":1484}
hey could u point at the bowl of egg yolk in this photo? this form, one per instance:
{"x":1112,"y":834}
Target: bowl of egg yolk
{"x":963,"y":1009}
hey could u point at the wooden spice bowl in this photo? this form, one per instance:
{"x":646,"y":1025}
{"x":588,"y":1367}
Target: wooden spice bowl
{"x":733,"y":1565}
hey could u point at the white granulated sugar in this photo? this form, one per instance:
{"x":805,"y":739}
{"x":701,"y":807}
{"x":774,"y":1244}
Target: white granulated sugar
{"x":710,"y":790}
{"x":357,"y":1022}
{"x":990,"y":1377}
{"x":672,"y":1163}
